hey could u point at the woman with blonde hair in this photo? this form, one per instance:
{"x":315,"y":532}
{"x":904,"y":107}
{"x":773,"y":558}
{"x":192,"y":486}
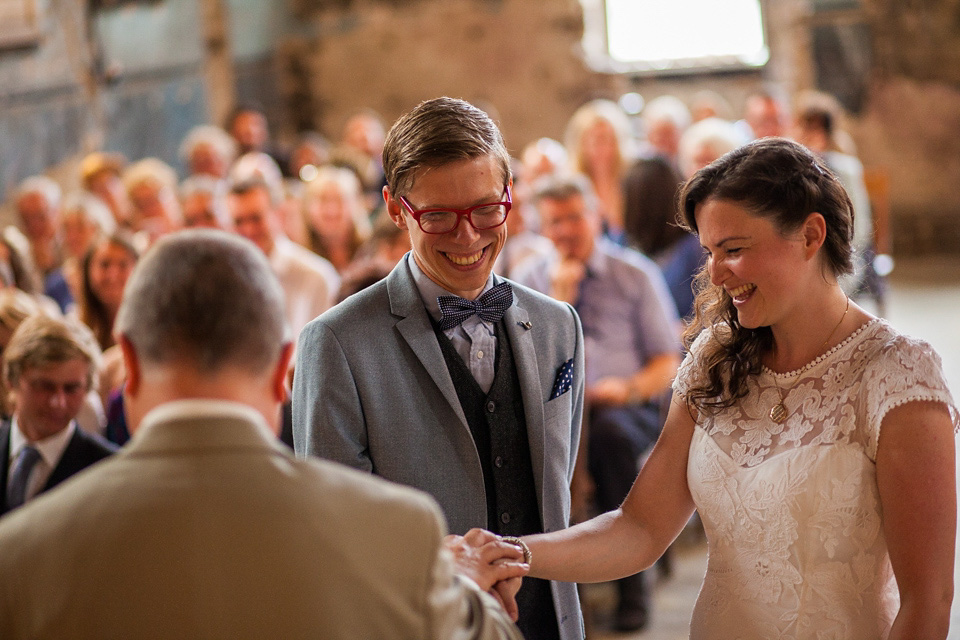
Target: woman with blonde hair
{"x":336,"y":216}
{"x":601,"y":146}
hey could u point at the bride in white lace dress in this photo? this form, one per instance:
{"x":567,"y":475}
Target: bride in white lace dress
{"x":815,"y":441}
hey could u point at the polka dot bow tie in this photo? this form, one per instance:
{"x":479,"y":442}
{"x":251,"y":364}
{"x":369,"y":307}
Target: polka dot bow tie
{"x":490,"y":306}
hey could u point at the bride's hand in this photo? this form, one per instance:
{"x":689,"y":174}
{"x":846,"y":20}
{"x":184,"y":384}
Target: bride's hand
{"x":485,"y":558}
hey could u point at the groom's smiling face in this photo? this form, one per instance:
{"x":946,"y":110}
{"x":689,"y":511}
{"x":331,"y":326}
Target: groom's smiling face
{"x":461,"y":260}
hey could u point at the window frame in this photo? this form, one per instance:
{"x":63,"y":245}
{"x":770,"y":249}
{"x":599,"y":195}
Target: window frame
{"x":596,"y":49}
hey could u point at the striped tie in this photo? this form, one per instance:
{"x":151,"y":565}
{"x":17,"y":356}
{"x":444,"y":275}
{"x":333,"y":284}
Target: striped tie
{"x":22,"y":466}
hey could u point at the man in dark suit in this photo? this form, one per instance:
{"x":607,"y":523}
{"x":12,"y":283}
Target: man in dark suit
{"x":444,"y":376}
{"x":49,"y":365}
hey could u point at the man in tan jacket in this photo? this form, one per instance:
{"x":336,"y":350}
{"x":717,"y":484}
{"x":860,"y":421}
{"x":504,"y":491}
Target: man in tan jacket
{"x":203,"y":526}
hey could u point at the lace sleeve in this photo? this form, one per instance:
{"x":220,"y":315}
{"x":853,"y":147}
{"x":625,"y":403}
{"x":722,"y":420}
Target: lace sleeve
{"x":691,"y":370}
{"x":905,"y":370}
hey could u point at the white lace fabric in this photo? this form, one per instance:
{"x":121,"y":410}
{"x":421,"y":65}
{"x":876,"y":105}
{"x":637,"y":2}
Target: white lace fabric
{"x":792,"y":511}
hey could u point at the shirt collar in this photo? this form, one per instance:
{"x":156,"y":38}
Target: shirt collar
{"x":50,"y":448}
{"x":597,"y":264}
{"x":430,"y":290}
{"x":203,"y":408}
{"x":279,"y":251}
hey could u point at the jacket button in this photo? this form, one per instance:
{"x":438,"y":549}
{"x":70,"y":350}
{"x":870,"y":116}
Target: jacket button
{"x":498,"y":462}
{"x":491,"y":406}
{"x":505,"y":517}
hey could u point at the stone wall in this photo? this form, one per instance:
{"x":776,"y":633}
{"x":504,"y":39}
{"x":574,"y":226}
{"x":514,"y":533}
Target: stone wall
{"x":127,"y":79}
{"x":911,"y":124}
{"x":518,"y":57}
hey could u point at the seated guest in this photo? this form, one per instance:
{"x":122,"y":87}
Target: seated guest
{"x":701,"y":144}
{"x":665,"y":118}
{"x":705,"y":141}
{"x":309,"y":282}
{"x":14,"y":269}
{"x":817,"y":127}
{"x":764,"y":115}
{"x":387,"y":243}
{"x":101,"y":175}
{"x":360,"y":275}
{"x":336,"y":215}
{"x":310,"y":152}
{"x":600,"y":145}
{"x":203,"y":203}
{"x":707,"y":103}
{"x":651,"y":188}
{"x":84,"y":220}
{"x":152,"y":188}
{"x":362,"y":143}
{"x":542,"y":157}
{"x":248,"y":126}
{"x":49,"y":366}
{"x":522,"y":243}
{"x":208,"y":151}
{"x":106,"y":268}
{"x":15,"y":307}
{"x":38,"y":207}
{"x":206,"y":527}
{"x":631,"y":347}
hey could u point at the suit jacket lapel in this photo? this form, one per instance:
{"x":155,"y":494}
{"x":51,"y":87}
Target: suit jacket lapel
{"x":415,"y":328}
{"x":72,"y":461}
{"x":525,"y":356}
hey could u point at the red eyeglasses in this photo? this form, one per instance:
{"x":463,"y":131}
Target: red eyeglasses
{"x":480,"y":217}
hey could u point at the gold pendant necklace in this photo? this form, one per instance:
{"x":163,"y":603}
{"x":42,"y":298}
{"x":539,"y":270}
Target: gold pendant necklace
{"x":778,"y":413}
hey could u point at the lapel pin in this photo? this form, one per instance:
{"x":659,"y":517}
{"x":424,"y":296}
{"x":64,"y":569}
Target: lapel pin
{"x":525,"y":325}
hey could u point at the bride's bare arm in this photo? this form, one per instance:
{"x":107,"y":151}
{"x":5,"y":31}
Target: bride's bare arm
{"x":621,"y":542}
{"x":916,"y":475}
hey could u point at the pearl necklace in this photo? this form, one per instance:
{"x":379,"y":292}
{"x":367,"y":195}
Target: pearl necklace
{"x":778,"y":413}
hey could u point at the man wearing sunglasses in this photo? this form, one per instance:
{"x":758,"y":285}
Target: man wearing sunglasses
{"x":444,"y":376}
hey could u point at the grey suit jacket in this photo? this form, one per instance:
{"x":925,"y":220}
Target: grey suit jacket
{"x":204,"y":527}
{"x":372,"y":391}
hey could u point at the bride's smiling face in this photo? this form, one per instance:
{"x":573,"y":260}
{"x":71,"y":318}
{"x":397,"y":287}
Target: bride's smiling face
{"x":759,"y":267}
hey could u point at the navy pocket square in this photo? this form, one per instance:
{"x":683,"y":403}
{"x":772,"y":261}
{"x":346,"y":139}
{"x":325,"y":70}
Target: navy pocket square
{"x":564,"y":379}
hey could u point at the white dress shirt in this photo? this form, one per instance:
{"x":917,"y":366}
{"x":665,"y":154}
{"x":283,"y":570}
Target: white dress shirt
{"x":51,"y":450}
{"x":475,"y":339}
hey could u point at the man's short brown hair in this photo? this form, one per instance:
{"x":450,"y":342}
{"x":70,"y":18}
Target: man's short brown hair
{"x":438,"y":132}
{"x":42,"y":340}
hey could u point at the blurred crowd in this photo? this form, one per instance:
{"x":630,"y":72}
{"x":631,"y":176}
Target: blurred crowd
{"x":315,"y":208}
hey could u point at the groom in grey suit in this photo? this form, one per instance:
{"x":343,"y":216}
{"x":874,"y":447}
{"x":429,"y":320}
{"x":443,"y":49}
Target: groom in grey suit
{"x":444,"y":376}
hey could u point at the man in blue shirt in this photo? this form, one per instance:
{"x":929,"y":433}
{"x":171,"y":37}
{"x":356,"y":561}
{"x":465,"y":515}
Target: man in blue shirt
{"x":631,"y":345}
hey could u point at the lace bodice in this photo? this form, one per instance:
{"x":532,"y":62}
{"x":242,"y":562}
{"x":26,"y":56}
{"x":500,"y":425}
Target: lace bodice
{"x":792,"y":511}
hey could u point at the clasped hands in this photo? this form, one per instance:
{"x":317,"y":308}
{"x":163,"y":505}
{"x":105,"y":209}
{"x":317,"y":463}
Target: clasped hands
{"x":495,"y":564}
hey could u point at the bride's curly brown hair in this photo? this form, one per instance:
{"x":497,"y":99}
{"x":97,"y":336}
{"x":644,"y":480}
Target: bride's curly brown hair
{"x":781,"y":181}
